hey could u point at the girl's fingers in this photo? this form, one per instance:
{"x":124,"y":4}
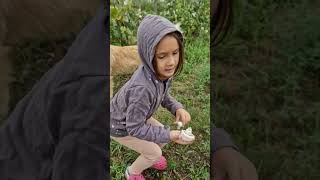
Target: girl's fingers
{"x":180,"y":141}
{"x":186,"y":117}
{"x":183,"y":119}
{"x":177,"y":117}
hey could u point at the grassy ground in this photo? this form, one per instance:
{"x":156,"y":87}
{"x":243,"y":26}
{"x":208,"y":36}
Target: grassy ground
{"x":191,"y":88}
{"x":268,"y":86}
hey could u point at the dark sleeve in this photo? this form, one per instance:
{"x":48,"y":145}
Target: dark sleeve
{"x":79,"y":122}
{"x":221,"y":139}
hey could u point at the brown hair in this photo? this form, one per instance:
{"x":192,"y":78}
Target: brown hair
{"x":179,"y":68}
{"x":221,"y":21}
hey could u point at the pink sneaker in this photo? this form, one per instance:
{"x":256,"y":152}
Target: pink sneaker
{"x":133,"y":177}
{"x":161,"y":164}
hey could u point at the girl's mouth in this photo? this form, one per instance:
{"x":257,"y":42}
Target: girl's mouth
{"x":169,"y":69}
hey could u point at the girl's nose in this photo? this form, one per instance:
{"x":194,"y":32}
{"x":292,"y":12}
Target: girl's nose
{"x":171,"y":60}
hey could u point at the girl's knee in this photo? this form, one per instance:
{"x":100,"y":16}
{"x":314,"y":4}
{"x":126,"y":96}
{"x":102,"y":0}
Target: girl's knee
{"x":162,"y":145}
{"x":152,"y":153}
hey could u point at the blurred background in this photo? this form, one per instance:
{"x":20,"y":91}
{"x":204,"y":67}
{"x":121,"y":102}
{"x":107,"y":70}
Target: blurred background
{"x":34,"y":35}
{"x":268,"y":86}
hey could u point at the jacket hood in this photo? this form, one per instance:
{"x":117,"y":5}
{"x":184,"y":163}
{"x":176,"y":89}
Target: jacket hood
{"x":151,"y":30}
{"x":89,"y":52}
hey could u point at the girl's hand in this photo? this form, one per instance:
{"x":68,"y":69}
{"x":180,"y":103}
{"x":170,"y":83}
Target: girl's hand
{"x":229,"y":164}
{"x":183,"y":116}
{"x":175,"y":136}
{"x":180,"y":141}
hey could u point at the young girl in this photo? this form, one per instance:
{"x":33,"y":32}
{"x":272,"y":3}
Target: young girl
{"x":131,"y":124}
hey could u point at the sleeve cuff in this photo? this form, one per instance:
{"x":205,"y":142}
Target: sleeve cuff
{"x":167,"y":135}
{"x":175,"y":108}
{"x":221,"y":139}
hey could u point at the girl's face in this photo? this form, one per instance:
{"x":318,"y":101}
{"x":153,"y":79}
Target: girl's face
{"x":167,"y":57}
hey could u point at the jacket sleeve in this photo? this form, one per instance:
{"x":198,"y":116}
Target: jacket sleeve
{"x":221,"y":139}
{"x":170,"y":103}
{"x":79,"y":122}
{"x":139,"y":104}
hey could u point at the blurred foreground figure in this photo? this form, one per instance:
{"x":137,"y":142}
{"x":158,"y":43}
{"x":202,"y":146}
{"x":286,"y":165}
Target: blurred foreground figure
{"x":37,"y":19}
{"x":227,"y":163}
{"x":59,"y":130}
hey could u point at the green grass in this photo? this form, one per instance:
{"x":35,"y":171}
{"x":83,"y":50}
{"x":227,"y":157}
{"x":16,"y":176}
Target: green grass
{"x":268,"y":88}
{"x":191,"y":88}
{"x":31,"y":59}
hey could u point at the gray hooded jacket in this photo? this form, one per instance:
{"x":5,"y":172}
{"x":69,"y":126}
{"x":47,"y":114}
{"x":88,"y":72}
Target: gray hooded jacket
{"x":141,"y":96}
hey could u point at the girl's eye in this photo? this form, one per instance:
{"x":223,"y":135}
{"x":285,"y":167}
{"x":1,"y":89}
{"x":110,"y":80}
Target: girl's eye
{"x":161,"y":57}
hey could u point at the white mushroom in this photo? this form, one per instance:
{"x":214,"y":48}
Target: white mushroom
{"x":186,"y":135}
{"x":179,"y":124}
